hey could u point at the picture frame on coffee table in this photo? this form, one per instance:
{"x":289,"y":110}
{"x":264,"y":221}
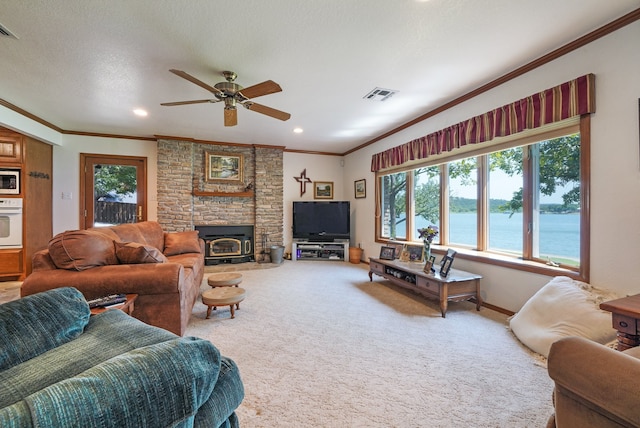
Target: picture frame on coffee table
{"x":446,"y":266}
{"x":398,"y":248}
{"x":416,"y":253}
{"x":387,"y":253}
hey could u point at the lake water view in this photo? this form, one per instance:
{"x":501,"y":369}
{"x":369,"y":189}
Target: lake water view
{"x":559,"y":233}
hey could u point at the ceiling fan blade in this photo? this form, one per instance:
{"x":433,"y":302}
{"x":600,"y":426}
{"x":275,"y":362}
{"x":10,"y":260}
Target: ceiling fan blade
{"x":264,"y":88}
{"x":198,"y":82}
{"x":181,"y":103}
{"x":230,"y":116}
{"x":277,"y":114}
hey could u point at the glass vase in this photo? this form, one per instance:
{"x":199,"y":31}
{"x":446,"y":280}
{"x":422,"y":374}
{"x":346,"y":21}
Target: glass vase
{"x":427,"y":256}
{"x":427,"y":250}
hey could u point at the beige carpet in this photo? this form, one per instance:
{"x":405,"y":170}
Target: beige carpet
{"x":318,"y":345}
{"x":9,"y":290}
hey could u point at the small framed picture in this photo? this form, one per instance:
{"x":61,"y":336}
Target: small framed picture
{"x":323,"y":190}
{"x":450,"y":253}
{"x":446,"y":266}
{"x":416,"y":253}
{"x":387,"y":253}
{"x":360,"y":188}
{"x":398,"y":248}
{"x":428,"y":266}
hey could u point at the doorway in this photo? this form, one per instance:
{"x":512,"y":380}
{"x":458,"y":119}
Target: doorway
{"x":113,"y":190}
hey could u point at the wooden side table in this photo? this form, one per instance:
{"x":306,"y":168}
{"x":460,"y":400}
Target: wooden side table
{"x":126,"y":307}
{"x":231,"y":279}
{"x":625,"y":315}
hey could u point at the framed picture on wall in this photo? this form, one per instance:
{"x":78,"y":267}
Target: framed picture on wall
{"x":224,"y":167}
{"x":323,"y":190}
{"x":360,"y":188}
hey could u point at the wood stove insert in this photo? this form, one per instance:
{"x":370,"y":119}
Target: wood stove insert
{"x":227,"y":244}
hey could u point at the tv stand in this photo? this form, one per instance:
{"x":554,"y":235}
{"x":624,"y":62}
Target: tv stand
{"x":314,"y":250}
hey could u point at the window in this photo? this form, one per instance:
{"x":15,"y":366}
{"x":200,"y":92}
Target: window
{"x":463,"y":202}
{"x":519,"y":203}
{"x":426,"y":189}
{"x":556,"y":200}
{"x":505,"y":185}
{"x":394,"y":213}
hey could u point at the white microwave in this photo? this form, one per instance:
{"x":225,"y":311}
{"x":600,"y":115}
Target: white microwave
{"x":9,"y":181}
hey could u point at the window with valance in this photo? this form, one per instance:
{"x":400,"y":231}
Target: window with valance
{"x":423,"y":180}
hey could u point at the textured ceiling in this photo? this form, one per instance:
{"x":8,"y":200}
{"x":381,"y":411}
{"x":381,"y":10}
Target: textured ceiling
{"x":84,"y":65}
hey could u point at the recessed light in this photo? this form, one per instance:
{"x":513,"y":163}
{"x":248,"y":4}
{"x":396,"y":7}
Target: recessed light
{"x":140,"y":112}
{"x":298,"y":130}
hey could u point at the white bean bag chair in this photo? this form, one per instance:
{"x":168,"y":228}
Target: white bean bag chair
{"x":563,"y":307}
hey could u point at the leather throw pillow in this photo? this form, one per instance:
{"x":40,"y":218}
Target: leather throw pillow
{"x":135,"y":253}
{"x":82,"y":249}
{"x":181,"y":242}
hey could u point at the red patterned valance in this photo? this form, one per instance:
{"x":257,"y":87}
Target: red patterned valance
{"x":573,"y":98}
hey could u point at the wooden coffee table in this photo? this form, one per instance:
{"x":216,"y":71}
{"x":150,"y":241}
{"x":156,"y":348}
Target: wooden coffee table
{"x":456,"y":287}
{"x":126,"y":307}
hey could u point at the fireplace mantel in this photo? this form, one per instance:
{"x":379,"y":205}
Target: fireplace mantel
{"x":247,"y":194}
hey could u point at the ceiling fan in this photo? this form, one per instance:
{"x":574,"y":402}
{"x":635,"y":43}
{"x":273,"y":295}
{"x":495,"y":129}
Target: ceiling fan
{"x":232,"y":94}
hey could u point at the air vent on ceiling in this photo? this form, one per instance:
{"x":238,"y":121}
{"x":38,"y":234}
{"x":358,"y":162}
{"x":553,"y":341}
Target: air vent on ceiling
{"x":4,"y":32}
{"x":380,"y":94}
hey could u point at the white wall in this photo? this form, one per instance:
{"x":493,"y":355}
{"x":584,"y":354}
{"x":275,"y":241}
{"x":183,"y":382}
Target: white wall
{"x":66,"y":173}
{"x":319,"y":168}
{"x":615,"y":165}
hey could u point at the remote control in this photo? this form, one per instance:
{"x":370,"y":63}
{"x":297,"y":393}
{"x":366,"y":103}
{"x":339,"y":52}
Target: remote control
{"x":107,"y":300}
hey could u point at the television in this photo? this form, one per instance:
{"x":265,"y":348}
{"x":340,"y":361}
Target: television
{"x":321,"y":221}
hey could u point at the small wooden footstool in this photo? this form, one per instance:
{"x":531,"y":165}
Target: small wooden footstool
{"x":223,"y":296}
{"x":229,"y":279}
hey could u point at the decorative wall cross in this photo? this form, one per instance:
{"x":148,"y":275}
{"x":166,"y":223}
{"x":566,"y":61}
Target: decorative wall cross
{"x":303,"y":180}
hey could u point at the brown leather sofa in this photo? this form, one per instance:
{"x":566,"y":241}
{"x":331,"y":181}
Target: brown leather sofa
{"x":595,"y":386}
{"x":164,"y":269}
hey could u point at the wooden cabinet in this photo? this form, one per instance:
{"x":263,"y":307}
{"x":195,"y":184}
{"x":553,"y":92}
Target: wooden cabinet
{"x":38,"y":198}
{"x":34,"y":158}
{"x":10,"y":148}
{"x":11,"y":262}
{"x":457,"y":286}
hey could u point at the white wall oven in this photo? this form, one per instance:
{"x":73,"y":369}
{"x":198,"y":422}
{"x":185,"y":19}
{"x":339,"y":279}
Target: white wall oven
{"x":9,"y":181}
{"x":10,"y":223}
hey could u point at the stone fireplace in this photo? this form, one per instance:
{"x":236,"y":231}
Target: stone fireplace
{"x":187,"y":200}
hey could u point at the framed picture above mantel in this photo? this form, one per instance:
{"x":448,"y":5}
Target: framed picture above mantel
{"x":224,"y":167}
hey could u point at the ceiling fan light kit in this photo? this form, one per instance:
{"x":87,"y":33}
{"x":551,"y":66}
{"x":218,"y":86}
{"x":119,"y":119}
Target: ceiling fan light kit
{"x":232,"y":93}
